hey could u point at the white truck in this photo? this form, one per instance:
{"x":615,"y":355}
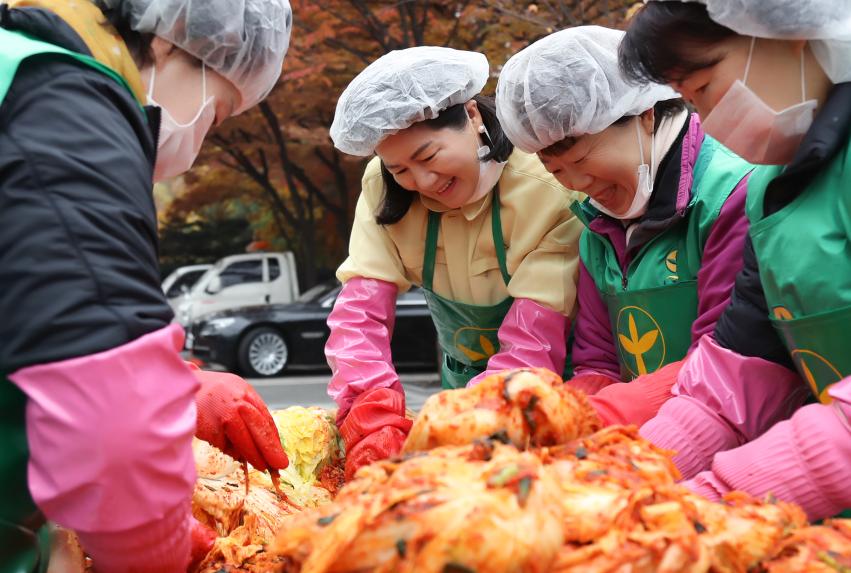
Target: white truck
{"x":180,"y":282}
{"x":241,"y":280}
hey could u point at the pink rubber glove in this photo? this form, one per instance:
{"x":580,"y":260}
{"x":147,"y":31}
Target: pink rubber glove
{"x":358,"y":349}
{"x":531,"y":336}
{"x":721,"y":400}
{"x":591,"y":382}
{"x":637,"y":401}
{"x":110,"y":438}
{"x":805,"y":460}
{"x":375,"y":428}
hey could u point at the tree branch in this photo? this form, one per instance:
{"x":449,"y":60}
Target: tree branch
{"x":456,"y":26}
{"x":292,"y":171}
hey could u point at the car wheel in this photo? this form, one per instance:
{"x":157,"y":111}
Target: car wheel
{"x":263,"y":353}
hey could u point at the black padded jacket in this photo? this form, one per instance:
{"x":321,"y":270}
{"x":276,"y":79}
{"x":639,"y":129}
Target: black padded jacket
{"x":78,"y":226}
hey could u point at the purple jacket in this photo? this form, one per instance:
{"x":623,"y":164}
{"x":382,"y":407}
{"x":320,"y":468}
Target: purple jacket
{"x":594,"y":349}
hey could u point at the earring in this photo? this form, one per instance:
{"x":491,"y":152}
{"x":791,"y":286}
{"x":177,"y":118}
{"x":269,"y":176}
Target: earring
{"x":482,"y":128}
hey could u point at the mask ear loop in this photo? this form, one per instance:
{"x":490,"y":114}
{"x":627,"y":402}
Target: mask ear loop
{"x":203,"y":84}
{"x":641,"y":146}
{"x":150,"y":93}
{"x":748,"y":64}
{"x":803,"y":77}
{"x":204,"y":101}
{"x":652,"y":158}
{"x":484,"y":149}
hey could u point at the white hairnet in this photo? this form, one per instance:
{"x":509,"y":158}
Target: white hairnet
{"x":568,"y":84}
{"x":401,"y":88}
{"x":827,"y":23}
{"x":243,"y":40}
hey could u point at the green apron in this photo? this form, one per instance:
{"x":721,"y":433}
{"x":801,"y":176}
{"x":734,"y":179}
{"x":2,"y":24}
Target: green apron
{"x":804,"y":266}
{"x":653,"y":302}
{"x":22,"y":549}
{"x":467,"y":333}
{"x":653,"y":326}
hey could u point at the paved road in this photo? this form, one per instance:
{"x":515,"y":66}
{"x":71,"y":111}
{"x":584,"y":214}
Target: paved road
{"x":310,"y":390}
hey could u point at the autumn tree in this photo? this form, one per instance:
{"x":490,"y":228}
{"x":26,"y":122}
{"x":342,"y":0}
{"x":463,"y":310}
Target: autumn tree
{"x":547,"y":16}
{"x":279,"y":156}
{"x":202,"y":239}
{"x":281,"y":149}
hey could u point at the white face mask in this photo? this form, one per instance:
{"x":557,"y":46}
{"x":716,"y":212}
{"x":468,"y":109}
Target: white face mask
{"x":754,"y":131}
{"x":489,"y":172}
{"x":179,"y":143}
{"x":645,"y":182}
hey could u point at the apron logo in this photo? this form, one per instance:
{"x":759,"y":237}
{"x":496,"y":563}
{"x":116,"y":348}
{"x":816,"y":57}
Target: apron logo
{"x":475,"y":342}
{"x":671,"y":264}
{"x":782,"y":313}
{"x":642,"y":336}
{"x":818,"y":372}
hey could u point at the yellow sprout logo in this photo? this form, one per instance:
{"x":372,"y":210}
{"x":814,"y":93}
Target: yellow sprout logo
{"x":476,"y":343}
{"x":819,"y":373}
{"x":782,"y":313}
{"x":817,"y":370}
{"x":671,"y":265}
{"x":643,"y":341}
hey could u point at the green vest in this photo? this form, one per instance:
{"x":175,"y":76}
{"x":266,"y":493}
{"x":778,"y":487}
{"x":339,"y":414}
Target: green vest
{"x":22,"y":550}
{"x":804,"y":266}
{"x":653,"y":302}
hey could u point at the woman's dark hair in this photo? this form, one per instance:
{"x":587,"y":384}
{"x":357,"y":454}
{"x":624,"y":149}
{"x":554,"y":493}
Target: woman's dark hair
{"x":661,"y":110}
{"x":397,"y":200}
{"x":137,"y":43}
{"x":667,"y":41}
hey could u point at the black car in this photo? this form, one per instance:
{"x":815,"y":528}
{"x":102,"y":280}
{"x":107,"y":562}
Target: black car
{"x":263,"y":341}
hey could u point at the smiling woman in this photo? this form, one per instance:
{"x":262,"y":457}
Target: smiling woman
{"x":599,"y":165}
{"x":448,"y":205}
{"x":665,"y":220}
{"x":443,"y":147}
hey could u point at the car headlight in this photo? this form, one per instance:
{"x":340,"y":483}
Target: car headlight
{"x":216,"y":325}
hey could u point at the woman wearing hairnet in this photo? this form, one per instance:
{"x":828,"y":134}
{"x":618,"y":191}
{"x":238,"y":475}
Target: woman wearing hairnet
{"x":448,"y":205}
{"x":770,"y":80}
{"x":97,"y":410}
{"x":664,"y":215}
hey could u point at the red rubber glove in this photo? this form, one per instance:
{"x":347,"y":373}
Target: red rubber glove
{"x":202,"y":538}
{"x":637,"y":401}
{"x":375,"y":428}
{"x":234,"y":418}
